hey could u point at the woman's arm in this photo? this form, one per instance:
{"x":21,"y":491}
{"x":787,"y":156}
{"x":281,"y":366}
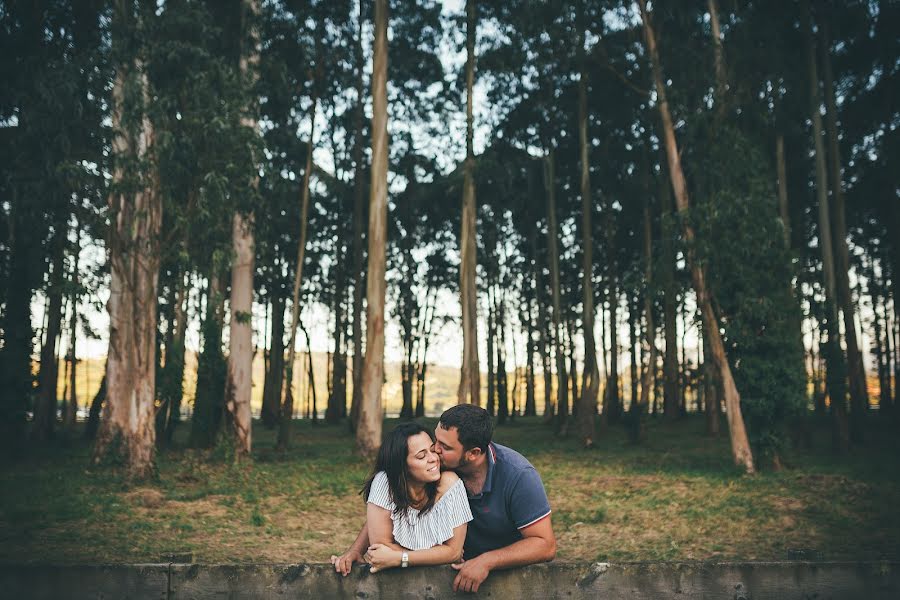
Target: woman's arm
{"x":382,"y":556}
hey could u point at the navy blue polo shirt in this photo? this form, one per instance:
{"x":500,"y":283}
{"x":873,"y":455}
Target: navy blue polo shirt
{"x":513,"y":498}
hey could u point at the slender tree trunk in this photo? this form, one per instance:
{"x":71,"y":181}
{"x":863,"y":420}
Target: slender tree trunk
{"x":337,"y":399}
{"x":647,"y":376}
{"x":590,"y":384}
{"x":368,"y":432}
{"x":93,"y":421}
{"x":670,"y":304}
{"x":613,"y":397}
{"x":240,"y":357}
{"x":210,"y":369}
{"x":275,"y":377}
{"x":359,"y":209}
{"x":633,"y":318}
{"x":72,"y":407}
{"x":44,"y":419}
{"x":562,"y":384}
{"x":470,"y":374}
{"x":175,"y":361}
{"x":740,"y":445}
{"x":127,"y":427}
{"x":287,"y":408}
{"x":859,"y":396}
{"x":530,"y":404}
{"x":834,"y":359}
{"x":783,"y":207}
{"x":491,"y":405}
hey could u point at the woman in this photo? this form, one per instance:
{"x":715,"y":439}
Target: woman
{"x":415,"y":515}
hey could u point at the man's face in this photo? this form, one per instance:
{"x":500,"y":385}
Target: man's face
{"x":449,"y":448}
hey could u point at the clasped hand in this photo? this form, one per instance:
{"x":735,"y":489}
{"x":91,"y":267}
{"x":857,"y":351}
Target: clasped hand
{"x":382,"y":557}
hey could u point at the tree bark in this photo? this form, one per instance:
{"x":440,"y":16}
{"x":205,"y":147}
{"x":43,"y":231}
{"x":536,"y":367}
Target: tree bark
{"x":647,"y":376}
{"x":590,"y":384}
{"x":240,"y":357}
{"x":175,"y":361}
{"x":470,"y":374}
{"x":72,"y":407}
{"x":859,"y":395}
{"x":287,"y":407}
{"x":272,"y":395}
{"x":834,"y":359}
{"x":368,"y":432}
{"x":127,"y":427}
{"x":359,"y":209}
{"x":783,"y":207}
{"x":44,"y":419}
{"x":562,"y":384}
{"x":670,"y":303}
{"x":740,"y":445}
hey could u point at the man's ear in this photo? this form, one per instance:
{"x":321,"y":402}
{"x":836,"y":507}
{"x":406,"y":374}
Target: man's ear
{"x":474,"y":453}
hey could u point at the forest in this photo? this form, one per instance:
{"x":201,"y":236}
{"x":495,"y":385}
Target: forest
{"x":620,"y":213}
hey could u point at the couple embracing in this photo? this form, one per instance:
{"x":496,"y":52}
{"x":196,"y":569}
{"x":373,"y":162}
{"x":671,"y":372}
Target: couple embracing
{"x":453,"y":497}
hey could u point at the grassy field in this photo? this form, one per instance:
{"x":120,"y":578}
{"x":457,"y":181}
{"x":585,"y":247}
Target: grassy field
{"x":675,"y":498}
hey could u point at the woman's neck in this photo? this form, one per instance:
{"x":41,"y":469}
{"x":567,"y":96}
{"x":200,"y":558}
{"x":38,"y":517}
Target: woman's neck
{"x":417,"y":493}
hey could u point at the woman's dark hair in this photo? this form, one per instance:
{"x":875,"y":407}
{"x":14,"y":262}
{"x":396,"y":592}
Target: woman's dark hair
{"x":392,"y":460}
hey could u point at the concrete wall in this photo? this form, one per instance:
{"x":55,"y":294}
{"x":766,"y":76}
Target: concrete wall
{"x":564,"y":581}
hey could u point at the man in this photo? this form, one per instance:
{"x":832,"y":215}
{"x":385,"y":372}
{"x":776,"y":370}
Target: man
{"x":511,"y":525}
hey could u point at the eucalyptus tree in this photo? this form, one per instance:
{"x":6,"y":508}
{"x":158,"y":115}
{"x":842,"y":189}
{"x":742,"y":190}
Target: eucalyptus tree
{"x":470,"y":373}
{"x":127,"y":427}
{"x":740,"y":446}
{"x":368,"y":433}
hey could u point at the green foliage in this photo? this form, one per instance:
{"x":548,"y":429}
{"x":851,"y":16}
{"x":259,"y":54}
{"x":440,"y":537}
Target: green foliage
{"x":749,"y":272}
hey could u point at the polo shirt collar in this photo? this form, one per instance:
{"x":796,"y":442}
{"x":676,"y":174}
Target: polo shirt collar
{"x":492,"y":460}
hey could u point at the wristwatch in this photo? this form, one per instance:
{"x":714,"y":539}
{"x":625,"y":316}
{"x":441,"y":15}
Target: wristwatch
{"x":404,"y":560}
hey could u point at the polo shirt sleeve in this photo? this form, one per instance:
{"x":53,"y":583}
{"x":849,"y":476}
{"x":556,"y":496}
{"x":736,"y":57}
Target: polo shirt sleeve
{"x":528,"y":500}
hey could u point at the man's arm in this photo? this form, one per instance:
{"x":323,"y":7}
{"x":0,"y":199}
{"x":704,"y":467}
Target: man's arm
{"x":538,"y":544}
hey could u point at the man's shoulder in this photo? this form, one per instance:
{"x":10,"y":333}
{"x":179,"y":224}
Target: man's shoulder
{"x":510,"y":460}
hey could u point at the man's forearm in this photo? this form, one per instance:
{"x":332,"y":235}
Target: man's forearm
{"x":526,"y":551}
{"x":361,"y":544}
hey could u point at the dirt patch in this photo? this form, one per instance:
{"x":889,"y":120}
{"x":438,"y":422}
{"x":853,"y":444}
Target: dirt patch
{"x":146,"y":498}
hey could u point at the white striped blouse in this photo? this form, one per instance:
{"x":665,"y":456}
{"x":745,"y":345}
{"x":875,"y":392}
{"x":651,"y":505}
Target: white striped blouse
{"x":420,"y":532}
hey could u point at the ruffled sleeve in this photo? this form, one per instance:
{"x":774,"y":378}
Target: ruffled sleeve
{"x":380,"y":493}
{"x":419,"y":532}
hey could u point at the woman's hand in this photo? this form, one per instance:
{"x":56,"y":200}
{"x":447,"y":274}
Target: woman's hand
{"x":344,"y":563}
{"x":382,"y":557}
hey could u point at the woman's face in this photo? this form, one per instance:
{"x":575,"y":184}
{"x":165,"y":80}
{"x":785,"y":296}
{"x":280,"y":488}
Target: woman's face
{"x":423,"y":464}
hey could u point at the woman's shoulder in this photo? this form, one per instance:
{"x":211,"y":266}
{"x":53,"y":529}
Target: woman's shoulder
{"x":447,"y":481}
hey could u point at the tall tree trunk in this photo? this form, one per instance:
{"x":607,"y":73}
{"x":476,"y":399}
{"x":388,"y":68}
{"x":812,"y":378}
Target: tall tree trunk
{"x":127,"y":428}
{"x":240,"y":357}
{"x":562,"y":384}
{"x":175,"y":361}
{"x":72,"y":407}
{"x":359,"y":209}
{"x":45,"y":407}
{"x":491,"y":405}
{"x":368,"y":432}
{"x":337,"y":399}
{"x":590,"y":384}
{"x":470,"y":374}
{"x":740,"y":445}
{"x":502,"y":380}
{"x":530,"y":348}
{"x":859,"y":395}
{"x":613,"y":402}
{"x":287,"y":407}
{"x":272,"y":396}
{"x":210,"y":369}
{"x":783,"y":206}
{"x":670,"y":303}
{"x":639,"y":421}
{"x":834,"y":359}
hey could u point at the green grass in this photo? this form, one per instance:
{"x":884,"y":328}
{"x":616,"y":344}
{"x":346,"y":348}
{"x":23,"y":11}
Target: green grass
{"x":676,"y":497}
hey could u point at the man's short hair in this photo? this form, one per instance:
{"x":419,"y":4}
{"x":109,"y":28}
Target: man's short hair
{"x":474,"y":425}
